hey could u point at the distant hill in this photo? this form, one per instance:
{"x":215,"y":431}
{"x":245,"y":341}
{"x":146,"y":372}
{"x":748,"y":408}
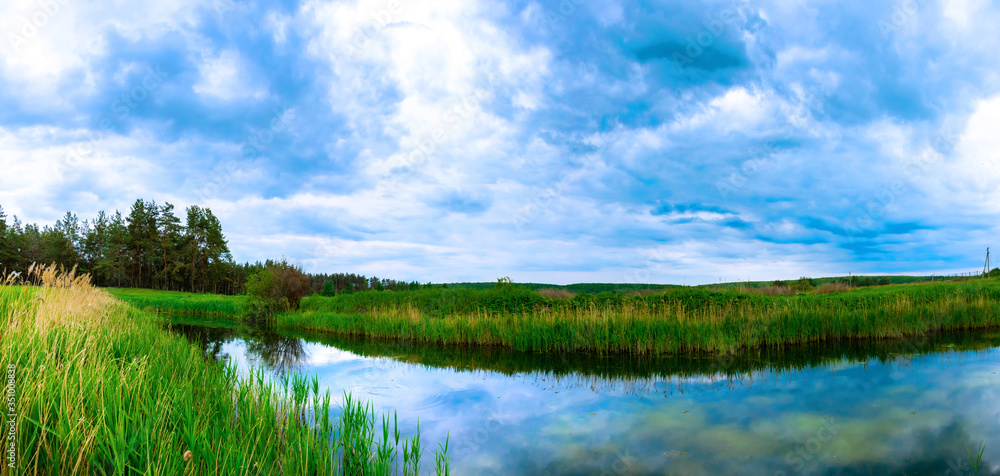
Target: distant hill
{"x":587,"y":288}
{"x":594,"y":288}
{"x":893,"y":279}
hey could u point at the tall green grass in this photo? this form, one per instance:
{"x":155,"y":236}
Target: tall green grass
{"x":174,"y":301}
{"x":676,"y":321}
{"x":101,"y":389}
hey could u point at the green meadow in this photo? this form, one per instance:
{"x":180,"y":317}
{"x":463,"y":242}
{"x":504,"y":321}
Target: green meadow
{"x":675,"y":320}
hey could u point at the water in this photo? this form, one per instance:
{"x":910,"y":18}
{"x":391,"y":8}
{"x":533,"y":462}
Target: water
{"x":904,"y":407}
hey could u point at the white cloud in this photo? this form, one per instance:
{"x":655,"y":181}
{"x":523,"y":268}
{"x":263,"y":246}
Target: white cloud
{"x":41,"y":161}
{"x":738,"y":109}
{"x":45,"y":42}
{"x":962,"y":12}
{"x":447,"y":62}
{"x":973,"y":173}
{"x":225,"y":76}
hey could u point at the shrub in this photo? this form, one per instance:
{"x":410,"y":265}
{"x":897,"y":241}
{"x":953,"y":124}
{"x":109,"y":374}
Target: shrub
{"x":278,"y":287}
{"x":804,"y":285}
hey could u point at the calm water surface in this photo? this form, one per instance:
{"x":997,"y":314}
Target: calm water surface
{"x":905,"y":407}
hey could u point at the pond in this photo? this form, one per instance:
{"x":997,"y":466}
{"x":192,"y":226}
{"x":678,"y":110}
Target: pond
{"x":910,"y":406}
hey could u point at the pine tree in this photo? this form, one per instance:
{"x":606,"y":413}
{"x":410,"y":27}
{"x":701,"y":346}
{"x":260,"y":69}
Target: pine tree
{"x":169,"y":230}
{"x":118,"y":249}
{"x":9,"y":253}
{"x":69,"y":228}
{"x":94,"y":242}
{"x":204,"y":245}
{"x":139,"y":243}
{"x":328,"y":289}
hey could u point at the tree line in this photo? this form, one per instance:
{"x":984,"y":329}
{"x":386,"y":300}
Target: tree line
{"x":330,"y":284}
{"x":151,"y":247}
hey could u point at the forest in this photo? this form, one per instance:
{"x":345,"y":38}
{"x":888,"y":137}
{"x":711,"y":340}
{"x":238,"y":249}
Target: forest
{"x":153,"y":247}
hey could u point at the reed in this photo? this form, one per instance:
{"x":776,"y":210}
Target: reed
{"x":676,"y":321}
{"x":975,"y":461}
{"x":99,"y":388}
{"x":680,"y":322}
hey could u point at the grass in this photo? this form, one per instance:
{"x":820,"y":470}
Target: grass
{"x":174,"y":301}
{"x":893,"y":279}
{"x":588,"y":288}
{"x":100,"y":388}
{"x":975,"y":461}
{"x":674,"y":321}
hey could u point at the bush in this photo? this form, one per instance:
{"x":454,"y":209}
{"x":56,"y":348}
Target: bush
{"x":804,"y":285}
{"x":277,"y":288}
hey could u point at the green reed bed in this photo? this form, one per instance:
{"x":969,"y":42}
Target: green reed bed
{"x":678,"y":321}
{"x":99,"y":388}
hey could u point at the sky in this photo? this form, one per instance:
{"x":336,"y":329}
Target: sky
{"x":548,"y":141}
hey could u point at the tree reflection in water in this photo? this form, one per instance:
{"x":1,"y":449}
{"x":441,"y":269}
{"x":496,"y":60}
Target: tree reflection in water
{"x":209,"y":339}
{"x":282,"y":355}
{"x":679,"y":375}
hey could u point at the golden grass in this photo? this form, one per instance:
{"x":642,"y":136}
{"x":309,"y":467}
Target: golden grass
{"x":66,"y":298}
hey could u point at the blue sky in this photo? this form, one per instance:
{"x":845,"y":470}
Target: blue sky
{"x":572,"y":141}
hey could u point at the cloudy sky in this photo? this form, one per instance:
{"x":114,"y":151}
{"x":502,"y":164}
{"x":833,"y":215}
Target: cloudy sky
{"x":554,"y":141}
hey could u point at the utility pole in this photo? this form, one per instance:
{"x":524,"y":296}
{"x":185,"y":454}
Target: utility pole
{"x":986,"y":266}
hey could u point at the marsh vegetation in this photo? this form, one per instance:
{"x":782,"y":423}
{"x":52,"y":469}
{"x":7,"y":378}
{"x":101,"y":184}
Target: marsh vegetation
{"x":674,"y":321}
{"x":101,"y":389}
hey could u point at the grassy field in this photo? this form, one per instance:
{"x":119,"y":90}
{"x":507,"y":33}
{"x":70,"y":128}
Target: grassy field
{"x":589,"y":288}
{"x":173,"y":301}
{"x":675,"y":321}
{"x":97,"y":387}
